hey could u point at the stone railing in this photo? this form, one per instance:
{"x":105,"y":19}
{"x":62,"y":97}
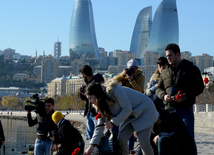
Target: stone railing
{"x":204,"y":118}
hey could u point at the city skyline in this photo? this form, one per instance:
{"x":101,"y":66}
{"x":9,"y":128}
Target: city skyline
{"x":29,"y":26}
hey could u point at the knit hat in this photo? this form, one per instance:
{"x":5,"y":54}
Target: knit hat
{"x":131,"y":63}
{"x":57,"y":116}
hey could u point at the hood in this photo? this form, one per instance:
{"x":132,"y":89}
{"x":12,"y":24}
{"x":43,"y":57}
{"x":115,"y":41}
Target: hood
{"x":156,"y":76}
{"x":139,"y":71}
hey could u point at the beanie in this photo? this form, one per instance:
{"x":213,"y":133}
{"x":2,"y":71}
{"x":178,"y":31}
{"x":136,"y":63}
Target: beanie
{"x":57,"y":116}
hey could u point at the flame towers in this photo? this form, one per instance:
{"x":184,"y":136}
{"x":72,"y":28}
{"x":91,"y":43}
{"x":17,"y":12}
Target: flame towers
{"x":164,"y":30}
{"x":82,"y":31}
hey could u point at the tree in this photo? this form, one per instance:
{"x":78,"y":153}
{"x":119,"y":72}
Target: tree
{"x":75,"y":104}
{"x":10,"y":101}
{"x":64,"y":102}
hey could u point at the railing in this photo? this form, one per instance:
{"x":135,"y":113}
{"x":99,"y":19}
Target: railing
{"x":202,"y":108}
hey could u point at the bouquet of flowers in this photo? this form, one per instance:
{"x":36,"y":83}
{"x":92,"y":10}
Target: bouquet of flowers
{"x":179,"y":95}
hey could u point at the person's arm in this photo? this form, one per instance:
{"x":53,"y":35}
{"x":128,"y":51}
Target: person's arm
{"x":138,"y":83}
{"x":2,"y":134}
{"x":150,"y":90}
{"x":160,"y":90}
{"x":120,"y":77}
{"x":31,"y":122}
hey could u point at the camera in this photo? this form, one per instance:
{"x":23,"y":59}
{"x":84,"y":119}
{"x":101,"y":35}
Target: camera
{"x":38,"y":105}
{"x":50,"y":134}
{"x":129,"y":71}
{"x":82,"y":89}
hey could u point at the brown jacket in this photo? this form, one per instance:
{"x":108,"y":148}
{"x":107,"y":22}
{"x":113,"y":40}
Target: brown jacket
{"x":136,"y":84}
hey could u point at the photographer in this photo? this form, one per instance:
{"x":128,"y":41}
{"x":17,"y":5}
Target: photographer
{"x":132,"y":76}
{"x":68,"y":137}
{"x":43,"y":143}
{"x":90,"y":112}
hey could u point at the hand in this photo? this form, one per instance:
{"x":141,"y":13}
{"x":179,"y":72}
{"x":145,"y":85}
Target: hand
{"x":52,"y":137}
{"x":168,"y":98}
{"x":108,"y":125}
{"x":130,"y":77}
{"x":80,"y":91}
{"x":156,"y":85}
{"x":155,"y":140}
{"x":124,"y":72}
{"x":55,"y":147}
{"x":89,"y":150}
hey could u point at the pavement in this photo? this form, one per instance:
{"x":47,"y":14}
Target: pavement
{"x":204,"y":140}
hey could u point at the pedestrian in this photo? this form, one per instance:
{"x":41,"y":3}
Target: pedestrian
{"x":89,"y":111}
{"x":45,"y":125}
{"x":67,"y":138}
{"x":181,"y":78}
{"x":153,"y":83}
{"x":123,"y":107}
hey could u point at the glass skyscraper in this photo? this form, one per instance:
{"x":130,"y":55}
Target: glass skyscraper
{"x":140,"y":37}
{"x":164,"y":27}
{"x":82,"y":31}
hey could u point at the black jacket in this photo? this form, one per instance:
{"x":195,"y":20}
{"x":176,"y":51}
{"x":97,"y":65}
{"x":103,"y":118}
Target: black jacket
{"x":88,"y":107}
{"x":46,"y":124}
{"x":188,"y":80}
{"x":69,"y":137}
{"x":173,"y":127}
{"x":2,"y":138}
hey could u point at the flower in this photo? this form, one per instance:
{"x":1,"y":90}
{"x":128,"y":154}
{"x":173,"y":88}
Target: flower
{"x":76,"y":152}
{"x":98,"y":116}
{"x":179,"y":95}
{"x":206,"y":80}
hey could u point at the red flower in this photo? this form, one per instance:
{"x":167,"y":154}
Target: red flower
{"x":179,"y":95}
{"x":179,"y":92}
{"x":98,"y":116}
{"x":206,"y":80}
{"x":76,"y":151}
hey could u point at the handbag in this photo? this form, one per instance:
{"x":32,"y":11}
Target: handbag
{"x":109,"y":145}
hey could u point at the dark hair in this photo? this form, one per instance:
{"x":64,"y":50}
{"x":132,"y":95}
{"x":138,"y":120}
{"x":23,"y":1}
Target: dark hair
{"x":174,"y":47}
{"x":49,"y":100}
{"x":86,"y":70}
{"x":162,"y":61}
{"x":96,"y":89}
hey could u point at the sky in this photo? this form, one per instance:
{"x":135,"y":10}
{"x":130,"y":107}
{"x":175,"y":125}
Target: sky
{"x":35,"y":25}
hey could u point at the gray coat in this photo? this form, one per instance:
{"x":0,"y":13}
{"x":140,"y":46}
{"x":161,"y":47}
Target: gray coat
{"x":130,"y":106}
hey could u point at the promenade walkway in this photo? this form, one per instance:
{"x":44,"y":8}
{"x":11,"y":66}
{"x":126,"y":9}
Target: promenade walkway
{"x":204,"y":140}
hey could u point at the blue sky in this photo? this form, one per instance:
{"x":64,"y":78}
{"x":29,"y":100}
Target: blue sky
{"x":30,"y":25}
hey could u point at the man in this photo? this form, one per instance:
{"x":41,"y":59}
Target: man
{"x":46,"y":124}
{"x":153,"y":83}
{"x":132,"y":76}
{"x":183,"y":76}
{"x":90,"y":112}
{"x":68,"y":138}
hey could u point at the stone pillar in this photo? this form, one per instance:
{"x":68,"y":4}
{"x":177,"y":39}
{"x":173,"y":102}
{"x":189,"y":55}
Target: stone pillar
{"x":209,"y":107}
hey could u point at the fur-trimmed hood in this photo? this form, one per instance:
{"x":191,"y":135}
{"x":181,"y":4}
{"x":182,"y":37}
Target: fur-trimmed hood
{"x":156,"y":76}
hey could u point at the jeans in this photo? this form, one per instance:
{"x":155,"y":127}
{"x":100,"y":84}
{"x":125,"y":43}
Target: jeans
{"x":187,"y":115}
{"x":91,"y":123}
{"x":42,"y":147}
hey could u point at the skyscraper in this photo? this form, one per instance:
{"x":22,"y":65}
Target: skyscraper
{"x":57,"y":50}
{"x":82,"y":31}
{"x":164,"y":27}
{"x":140,"y":37}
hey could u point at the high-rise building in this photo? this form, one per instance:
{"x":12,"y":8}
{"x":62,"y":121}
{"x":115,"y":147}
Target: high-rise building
{"x":204,"y":61}
{"x":140,"y":37}
{"x":164,"y":27}
{"x":57,"y":50}
{"x":82,"y":31}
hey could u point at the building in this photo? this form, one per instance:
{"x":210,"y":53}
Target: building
{"x":165,"y":28}
{"x":82,"y":31}
{"x":150,"y":58}
{"x":140,"y":37}
{"x":124,"y":57}
{"x":64,"y":85}
{"x":64,"y":71}
{"x":15,"y":91}
{"x":57,"y":50}
{"x":204,"y":61}
{"x":9,"y":52}
{"x":49,"y":69}
{"x":20,"y":76}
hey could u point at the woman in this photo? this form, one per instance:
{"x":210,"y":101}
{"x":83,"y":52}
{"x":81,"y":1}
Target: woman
{"x":123,"y":107}
{"x":153,"y":83}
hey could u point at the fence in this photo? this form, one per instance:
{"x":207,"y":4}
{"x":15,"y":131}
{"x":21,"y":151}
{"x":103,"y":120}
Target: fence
{"x":202,"y":108}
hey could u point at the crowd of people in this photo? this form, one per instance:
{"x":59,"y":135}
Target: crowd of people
{"x":161,"y":116}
